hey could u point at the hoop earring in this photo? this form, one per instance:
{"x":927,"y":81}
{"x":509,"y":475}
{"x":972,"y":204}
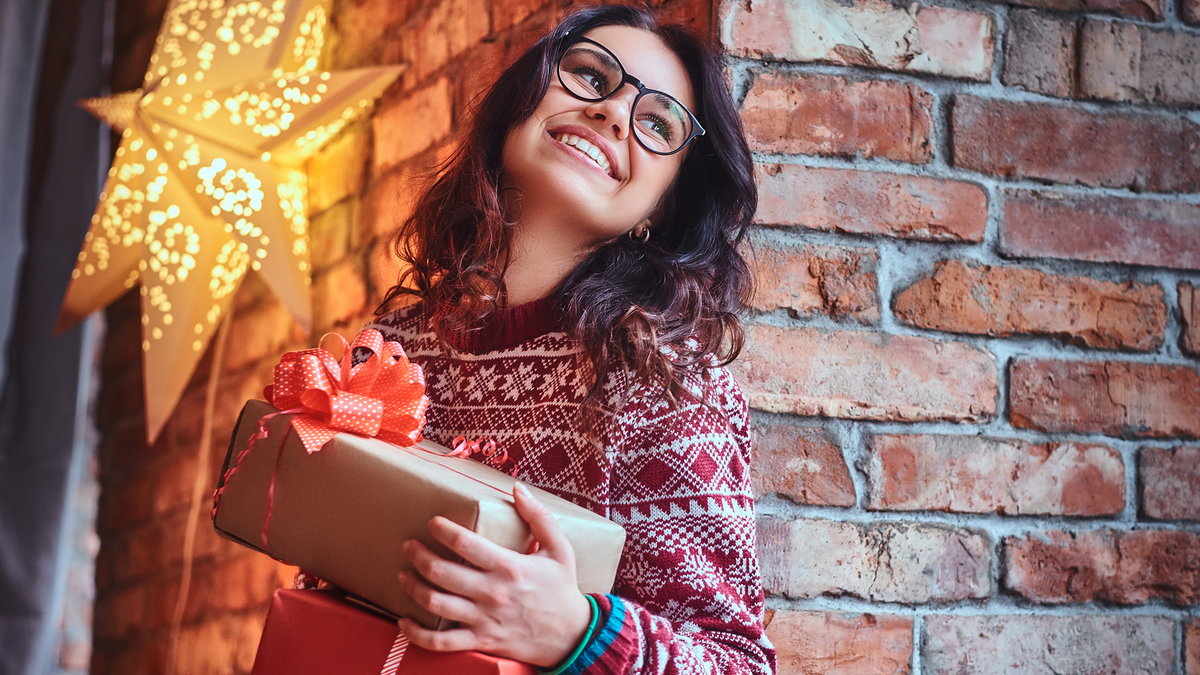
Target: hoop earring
{"x":641,"y":233}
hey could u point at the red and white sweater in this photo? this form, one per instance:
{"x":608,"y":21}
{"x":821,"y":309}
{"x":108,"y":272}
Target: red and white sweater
{"x":688,"y":596}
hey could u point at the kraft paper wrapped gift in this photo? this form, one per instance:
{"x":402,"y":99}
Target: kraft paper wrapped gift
{"x":343,"y":512}
{"x":317,"y":633}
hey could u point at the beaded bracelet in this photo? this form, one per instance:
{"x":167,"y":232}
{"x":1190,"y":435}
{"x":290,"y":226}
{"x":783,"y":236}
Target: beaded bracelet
{"x":587,"y":639}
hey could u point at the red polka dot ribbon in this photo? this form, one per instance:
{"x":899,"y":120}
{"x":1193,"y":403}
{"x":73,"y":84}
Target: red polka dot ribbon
{"x":382,"y":397}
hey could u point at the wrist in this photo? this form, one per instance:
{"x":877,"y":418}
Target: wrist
{"x":582,"y":637}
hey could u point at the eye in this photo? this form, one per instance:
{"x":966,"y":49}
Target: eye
{"x":657,"y":125}
{"x":592,"y":78}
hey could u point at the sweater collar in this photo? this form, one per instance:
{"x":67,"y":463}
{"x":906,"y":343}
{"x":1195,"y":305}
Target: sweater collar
{"x":509,"y":327}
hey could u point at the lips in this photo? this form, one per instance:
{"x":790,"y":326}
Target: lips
{"x":590,"y":148}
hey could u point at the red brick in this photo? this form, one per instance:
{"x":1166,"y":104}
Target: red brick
{"x":967,"y":297}
{"x":253,"y":292}
{"x":695,"y":15}
{"x":146,"y":656}
{"x":444,"y":31}
{"x":973,"y":474}
{"x":833,"y":643}
{"x":990,"y":645}
{"x":411,"y":125}
{"x":881,"y":562}
{"x":263,"y":333}
{"x":1191,"y":14}
{"x":172,"y":485}
{"x":512,"y":12}
{"x":1170,"y":480}
{"x":142,"y":551}
{"x":129,"y":66}
{"x":384,"y":271}
{"x":243,"y":582}
{"x":123,"y":396}
{"x":128,"y":505}
{"x":801,"y":463}
{"x":386,"y":205}
{"x":339,"y":170}
{"x":123,"y":335}
{"x":826,"y":115}
{"x":329,"y":235}
{"x":1191,"y":659}
{"x":120,"y":613}
{"x":363,"y":29}
{"x":1066,"y":145}
{"x":1117,"y":398}
{"x":867,"y":202}
{"x":221,"y":645}
{"x":1101,"y":229}
{"x":866,"y":375}
{"x":338,"y":295}
{"x":1189,"y":313}
{"x":1129,"y":567}
{"x":869,"y":33}
{"x":1142,"y":9}
{"x":830,"y":280}
{"x":1127,"y":62}
{"x":1039,"y":52}
{"x":122,"y":449}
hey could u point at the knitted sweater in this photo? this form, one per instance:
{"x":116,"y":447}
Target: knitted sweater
{"x":688,"y":596}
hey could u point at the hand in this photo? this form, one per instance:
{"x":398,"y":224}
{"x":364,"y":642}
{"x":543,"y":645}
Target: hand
{"x":523,"y":607}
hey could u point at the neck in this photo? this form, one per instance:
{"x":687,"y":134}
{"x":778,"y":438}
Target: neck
{"x":537,"y":265}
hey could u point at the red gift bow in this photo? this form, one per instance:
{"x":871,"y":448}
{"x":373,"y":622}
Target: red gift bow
{"x":383,"y":397}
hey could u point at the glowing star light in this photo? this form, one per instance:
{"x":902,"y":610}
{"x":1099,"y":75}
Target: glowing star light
{"x":209,"y":179}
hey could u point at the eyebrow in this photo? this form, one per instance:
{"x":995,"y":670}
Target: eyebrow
{"x":666,"y":99}
{"x":608,"y":59}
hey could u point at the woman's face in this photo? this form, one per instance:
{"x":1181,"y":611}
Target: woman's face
{"x":592,"y":200}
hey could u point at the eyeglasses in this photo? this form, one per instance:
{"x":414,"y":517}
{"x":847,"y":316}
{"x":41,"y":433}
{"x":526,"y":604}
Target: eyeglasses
{"x":662,"y":125}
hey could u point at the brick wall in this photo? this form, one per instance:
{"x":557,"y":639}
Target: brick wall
{"x":973,"y":357}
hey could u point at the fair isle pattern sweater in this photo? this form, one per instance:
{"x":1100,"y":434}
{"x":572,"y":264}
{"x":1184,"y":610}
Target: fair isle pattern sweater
{"x":688,"y":595}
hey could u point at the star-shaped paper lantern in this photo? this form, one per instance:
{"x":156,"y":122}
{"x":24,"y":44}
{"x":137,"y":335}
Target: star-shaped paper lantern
{"x":209,"y":179}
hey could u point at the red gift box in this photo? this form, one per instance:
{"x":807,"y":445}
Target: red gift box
{"x":317,"y":633}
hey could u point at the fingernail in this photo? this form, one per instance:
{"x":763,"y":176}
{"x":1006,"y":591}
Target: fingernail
{"x":524,"y":490}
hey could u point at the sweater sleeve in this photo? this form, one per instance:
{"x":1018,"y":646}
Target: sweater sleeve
{"x":688,"y":597}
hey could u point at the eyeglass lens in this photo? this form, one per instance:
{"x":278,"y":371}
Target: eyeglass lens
{"x":661,"y":123}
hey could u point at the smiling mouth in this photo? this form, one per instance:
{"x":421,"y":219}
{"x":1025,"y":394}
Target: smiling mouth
{"x":592,"y":152}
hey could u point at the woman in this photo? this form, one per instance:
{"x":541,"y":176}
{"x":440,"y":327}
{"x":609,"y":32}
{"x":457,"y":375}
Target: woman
{"x":578,"y":276}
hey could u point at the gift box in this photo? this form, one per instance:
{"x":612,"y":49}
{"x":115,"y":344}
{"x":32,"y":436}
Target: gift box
{"x":317,"y":633}
{"x":342,"y":513}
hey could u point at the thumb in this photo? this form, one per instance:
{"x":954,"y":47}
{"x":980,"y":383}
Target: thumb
{"x":545,"y":529}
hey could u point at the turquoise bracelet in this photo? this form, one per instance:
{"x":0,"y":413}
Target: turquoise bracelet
{"x":587,"y":638}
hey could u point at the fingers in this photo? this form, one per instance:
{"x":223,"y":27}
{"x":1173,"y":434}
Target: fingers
{"x":454,"y":640}
{"x":445,"y":605}
{"x":543,"y":526}
{"x":442,"y":573}
{"x":473,"y":548}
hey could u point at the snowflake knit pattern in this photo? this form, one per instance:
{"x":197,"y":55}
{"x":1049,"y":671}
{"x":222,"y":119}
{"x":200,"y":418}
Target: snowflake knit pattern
{"x":688,"y":595}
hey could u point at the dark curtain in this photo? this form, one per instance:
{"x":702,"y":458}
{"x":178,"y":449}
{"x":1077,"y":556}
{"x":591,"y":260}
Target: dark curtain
{"x":51,"y":53}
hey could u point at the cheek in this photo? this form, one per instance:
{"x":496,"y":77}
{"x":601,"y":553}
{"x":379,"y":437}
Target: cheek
{"x":659,"y":174}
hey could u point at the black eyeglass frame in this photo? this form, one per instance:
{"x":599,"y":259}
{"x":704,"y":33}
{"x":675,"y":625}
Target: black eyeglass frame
{"x":626,"y":78}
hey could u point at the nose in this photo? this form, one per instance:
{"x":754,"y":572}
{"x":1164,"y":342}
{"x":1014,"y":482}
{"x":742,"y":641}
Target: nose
{"x":615,"y":110}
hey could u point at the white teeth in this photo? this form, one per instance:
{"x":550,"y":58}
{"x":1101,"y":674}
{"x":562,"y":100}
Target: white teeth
{"x":586,"y":148}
